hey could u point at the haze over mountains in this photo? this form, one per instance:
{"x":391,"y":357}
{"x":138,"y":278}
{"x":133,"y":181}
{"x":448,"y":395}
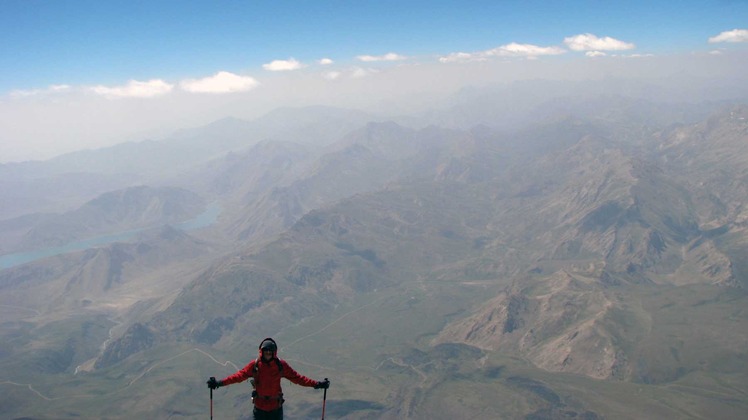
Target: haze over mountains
{"x":506,"y":256}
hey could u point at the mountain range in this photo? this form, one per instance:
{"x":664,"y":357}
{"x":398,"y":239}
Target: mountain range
{"x":588,"y":262}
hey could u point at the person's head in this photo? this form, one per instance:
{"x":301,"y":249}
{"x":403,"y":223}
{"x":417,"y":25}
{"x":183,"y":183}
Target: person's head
{"x":268,"y":349}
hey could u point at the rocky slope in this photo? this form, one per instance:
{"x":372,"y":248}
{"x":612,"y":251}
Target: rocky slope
{"x":587,"y":222}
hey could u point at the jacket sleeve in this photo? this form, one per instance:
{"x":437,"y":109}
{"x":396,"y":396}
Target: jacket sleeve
{"x":295,"y":377}
{"x":240,"y":376}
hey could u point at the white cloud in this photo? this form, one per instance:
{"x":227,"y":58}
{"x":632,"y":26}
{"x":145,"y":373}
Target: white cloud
{"x":387,"y":57}
{"x":524,"y":50}
{"x":325,"y":61}
{"x":221,"y":82}
{"x":462,"y":57}
{"x":508,"y":50}
{"x":354,"y":72}
{"x":735,"y":35}
{"x":35,"y":92}
{"x":59,"y":88}
{"x":135,"y":89}
{"x":283,"y":65}
{"x":590,"y":42}
{"x":716,"y":52}
{"x":359,"y":72}
{"x":332,"y":75}
{"x":594,"y":46}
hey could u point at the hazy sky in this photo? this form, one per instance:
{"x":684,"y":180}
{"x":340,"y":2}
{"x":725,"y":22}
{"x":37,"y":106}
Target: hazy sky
{"x":84,"y":74}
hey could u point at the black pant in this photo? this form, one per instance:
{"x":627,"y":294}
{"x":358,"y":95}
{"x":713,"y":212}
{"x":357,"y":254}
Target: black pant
{"x":268,"y":415}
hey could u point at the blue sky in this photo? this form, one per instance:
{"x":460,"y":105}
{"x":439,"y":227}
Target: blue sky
{"x":109,"y":42}
{"x":54,"y":53}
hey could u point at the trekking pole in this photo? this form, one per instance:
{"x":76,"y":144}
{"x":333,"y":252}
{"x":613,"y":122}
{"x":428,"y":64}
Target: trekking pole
{"x":211,"y":401}
{"x":324,"y":401}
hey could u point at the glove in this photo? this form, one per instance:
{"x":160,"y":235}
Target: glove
{"x":213,"y":384}
{"x":322,"y":384}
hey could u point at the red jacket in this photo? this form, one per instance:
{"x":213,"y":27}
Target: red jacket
{"x":267,"y":380}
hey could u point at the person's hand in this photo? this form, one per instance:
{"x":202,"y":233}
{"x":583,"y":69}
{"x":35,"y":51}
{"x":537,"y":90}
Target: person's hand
{"x":322,"y":384}
{"x":213,"y":384}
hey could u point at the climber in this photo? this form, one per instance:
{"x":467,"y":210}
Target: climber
{"x":265,"y":373}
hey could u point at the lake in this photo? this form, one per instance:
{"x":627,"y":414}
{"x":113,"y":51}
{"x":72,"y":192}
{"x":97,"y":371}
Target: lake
{"x":207,"y":218}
